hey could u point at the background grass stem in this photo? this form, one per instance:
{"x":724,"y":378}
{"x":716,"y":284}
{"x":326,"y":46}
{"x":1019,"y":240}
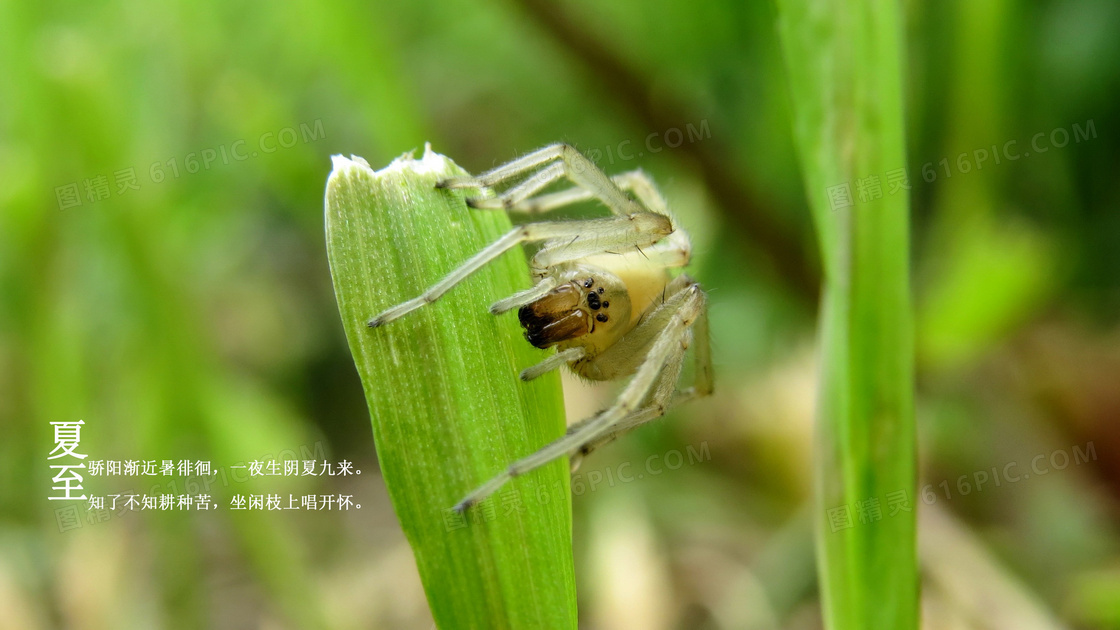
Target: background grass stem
{"x":844,"y":62}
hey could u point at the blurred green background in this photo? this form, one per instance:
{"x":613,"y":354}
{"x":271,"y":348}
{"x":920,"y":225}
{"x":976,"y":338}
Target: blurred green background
{"x":163,"y":278}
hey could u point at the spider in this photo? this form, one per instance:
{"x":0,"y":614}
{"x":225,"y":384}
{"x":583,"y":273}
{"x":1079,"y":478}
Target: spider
{"x":603,"y":295}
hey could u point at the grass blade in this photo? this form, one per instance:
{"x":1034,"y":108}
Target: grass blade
{"x":844,"y":61}
{"x":447,"y":407}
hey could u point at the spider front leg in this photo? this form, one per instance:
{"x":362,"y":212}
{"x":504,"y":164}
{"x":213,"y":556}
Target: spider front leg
{"x":643,"y":399}
{"x":638,"y":230}
{"x":551,"y":163}
{"x":636,"y":181}
{"x":524,"y":297}
{"x":675,"y":251}
{"x":553,"y":362}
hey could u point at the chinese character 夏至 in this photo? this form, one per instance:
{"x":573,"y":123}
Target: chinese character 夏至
{"x":67,"y":437}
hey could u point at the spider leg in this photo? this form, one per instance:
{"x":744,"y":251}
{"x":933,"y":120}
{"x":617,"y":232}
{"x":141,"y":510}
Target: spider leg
{"x":703,"y":383}
{"x":667,"y":396}
{"x":636,"y":181}
{"x":675,"y":251}
{"x":572,"y":164}
{"x":515,"y":195}
{"x":522,"y":298}
{"x":671,"y":252}
{"x":547,"y":203}
{"x":666,"y":351}
{"x":661,"y":401}
{"x":555,"y":253}
{"x":637,"y":230}
{"x":553,"y":362}
{"x":638,"y":418}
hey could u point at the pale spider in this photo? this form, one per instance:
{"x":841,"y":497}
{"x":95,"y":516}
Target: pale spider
{"x":603,"y":295}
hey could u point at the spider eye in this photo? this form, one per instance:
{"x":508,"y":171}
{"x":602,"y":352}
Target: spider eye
{"x":588,"y":283}
{"x":601,"y":317}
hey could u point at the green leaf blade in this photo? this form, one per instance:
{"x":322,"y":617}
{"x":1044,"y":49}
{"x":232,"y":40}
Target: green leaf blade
{"x":447,"y":407}
{"x":844,"y":61}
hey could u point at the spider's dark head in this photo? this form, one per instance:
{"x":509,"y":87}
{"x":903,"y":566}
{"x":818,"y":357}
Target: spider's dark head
{"x":587,"y":310}
{"x":554,"y":318}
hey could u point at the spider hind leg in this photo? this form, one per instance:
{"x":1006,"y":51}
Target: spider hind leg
{"x":647,"y":396}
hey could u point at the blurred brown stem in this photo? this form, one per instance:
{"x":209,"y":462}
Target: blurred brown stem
{"x":789,"y":255}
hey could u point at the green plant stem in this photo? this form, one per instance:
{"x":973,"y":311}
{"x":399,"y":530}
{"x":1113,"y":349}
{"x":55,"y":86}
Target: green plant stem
{"x":844,"y":61}
{"x":447,"y":407}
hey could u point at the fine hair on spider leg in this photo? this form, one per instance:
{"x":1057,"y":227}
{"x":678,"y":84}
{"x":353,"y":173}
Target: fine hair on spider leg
{"x":603,"y":294}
